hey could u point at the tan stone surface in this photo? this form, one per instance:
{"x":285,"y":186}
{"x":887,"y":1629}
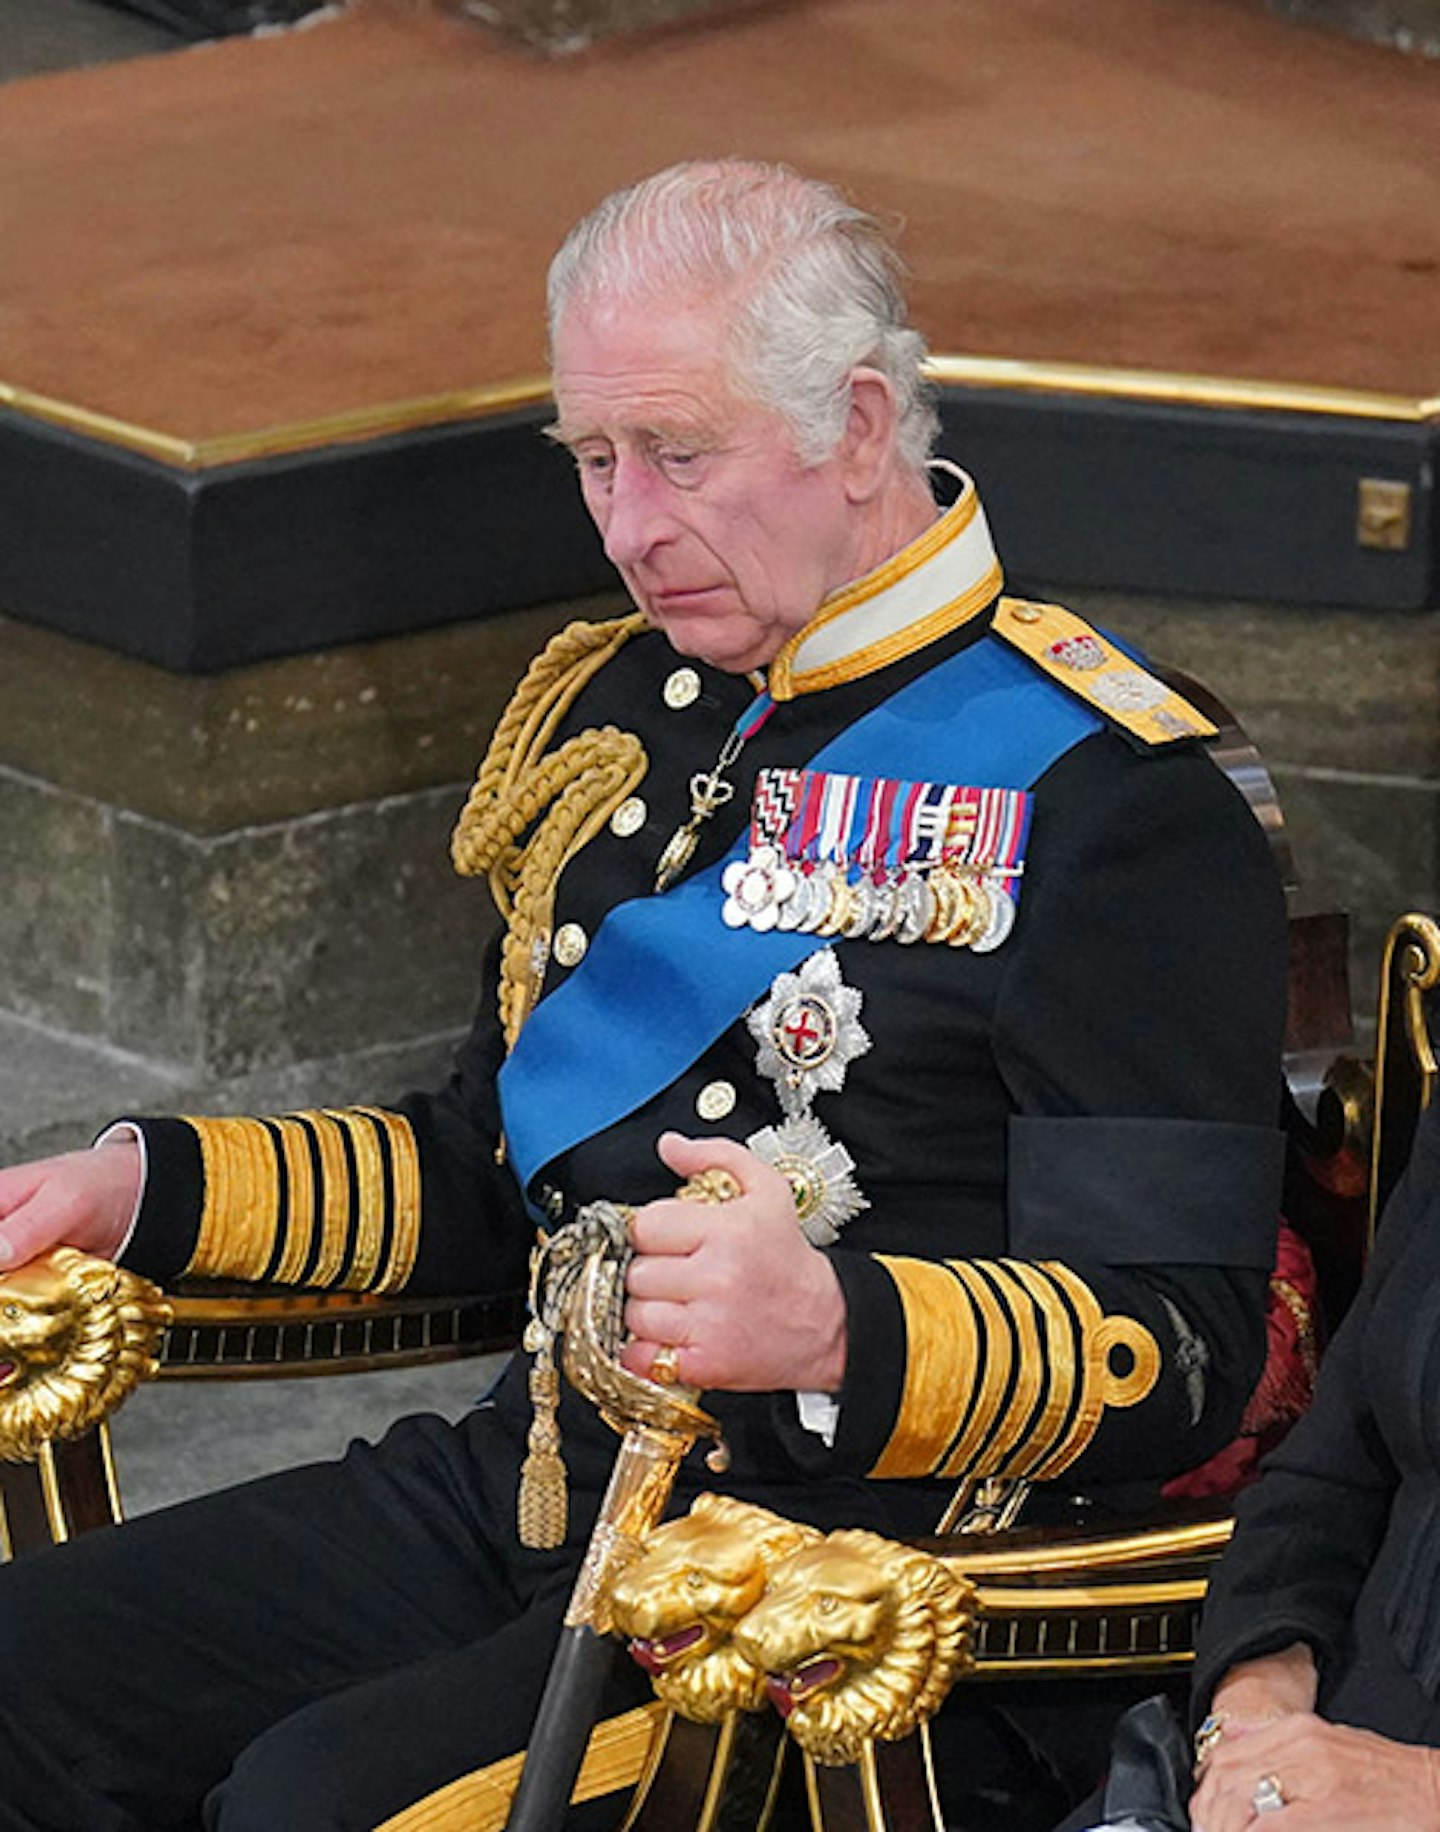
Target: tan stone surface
{"x":264,"y":231}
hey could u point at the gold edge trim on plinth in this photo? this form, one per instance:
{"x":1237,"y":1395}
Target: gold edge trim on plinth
{"x":479,"y":402}
{"x":1024,"y":377}
{"x":354,"y":424}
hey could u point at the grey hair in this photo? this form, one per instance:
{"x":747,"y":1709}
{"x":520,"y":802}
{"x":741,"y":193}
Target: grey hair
{"x":816,"y":285}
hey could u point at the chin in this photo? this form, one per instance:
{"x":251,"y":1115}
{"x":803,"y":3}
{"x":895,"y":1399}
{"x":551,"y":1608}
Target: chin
{"x":735,"y":653}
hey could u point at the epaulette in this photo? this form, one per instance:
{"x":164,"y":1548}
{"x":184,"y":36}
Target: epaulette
{"x":1086,"y":663}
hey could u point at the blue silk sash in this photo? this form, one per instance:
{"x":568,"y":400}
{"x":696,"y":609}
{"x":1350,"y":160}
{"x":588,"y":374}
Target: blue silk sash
{"x":664,"y":976}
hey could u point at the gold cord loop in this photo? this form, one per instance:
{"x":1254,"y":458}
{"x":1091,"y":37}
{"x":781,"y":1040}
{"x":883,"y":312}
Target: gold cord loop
{"x":530,"y":811}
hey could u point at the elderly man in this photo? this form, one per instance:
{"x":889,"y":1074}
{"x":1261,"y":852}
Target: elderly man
{"x":917,"y":910}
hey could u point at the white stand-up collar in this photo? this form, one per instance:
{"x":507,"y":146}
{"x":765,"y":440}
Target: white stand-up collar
{"x":945,"y":576}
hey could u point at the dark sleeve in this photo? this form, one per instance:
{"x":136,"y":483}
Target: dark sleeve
{"x":1138,"y":1032}
{"x":1307,"y":1533}
{"x":413,"y":1195}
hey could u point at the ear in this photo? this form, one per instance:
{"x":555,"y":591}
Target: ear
{"x":867,"y":446}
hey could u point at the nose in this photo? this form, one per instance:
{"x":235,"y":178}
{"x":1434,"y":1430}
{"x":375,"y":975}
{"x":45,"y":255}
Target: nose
{"x":632,"y":518}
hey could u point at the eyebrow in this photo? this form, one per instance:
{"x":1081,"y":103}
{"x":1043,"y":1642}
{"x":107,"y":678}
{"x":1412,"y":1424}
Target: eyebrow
{"x":678,"y":431}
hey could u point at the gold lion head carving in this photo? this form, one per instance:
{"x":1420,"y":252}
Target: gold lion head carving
{"x":76,"y":1335}
{"x":680,"y":1600}
{"x":859,"y":1638}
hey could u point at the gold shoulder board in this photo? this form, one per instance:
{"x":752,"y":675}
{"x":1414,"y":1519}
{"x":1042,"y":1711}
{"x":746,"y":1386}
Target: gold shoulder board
{"x":1087,"y":664}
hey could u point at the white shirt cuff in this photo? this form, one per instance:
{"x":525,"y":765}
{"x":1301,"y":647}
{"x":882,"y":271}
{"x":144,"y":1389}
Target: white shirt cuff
{"x":122,"y":1129}
{"x":820,"y":1413}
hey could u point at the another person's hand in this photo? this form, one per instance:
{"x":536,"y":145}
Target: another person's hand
{"x":82,"y":1199}
{"x":734,"y":1288}
{"x":1321,"y":1778}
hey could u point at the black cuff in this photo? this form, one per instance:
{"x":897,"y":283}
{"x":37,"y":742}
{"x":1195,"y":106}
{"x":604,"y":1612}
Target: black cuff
{"x":169,"y":1221}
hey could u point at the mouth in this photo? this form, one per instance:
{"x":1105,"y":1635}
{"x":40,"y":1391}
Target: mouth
{"x":682,"y":597}
{"x":657,"y":1654}
{"x":8,"y":1371}
{"x":787,"y":1690}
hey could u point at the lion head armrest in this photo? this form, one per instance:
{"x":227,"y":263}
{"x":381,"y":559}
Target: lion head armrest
{"x":77,"y":1334}
{"x":857,"y":1639}
{"x":854,"y":1638}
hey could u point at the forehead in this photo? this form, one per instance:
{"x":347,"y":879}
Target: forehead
{"x":635,"y":364}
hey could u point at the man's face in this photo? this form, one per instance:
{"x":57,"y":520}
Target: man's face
{"x":725,"y":541}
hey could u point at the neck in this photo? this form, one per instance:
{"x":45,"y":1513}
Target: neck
{"x":895,"y":516}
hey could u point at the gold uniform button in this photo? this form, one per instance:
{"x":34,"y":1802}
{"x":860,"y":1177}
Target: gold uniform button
{"x":1026,"y":613}
{"x":571,"y":941}
{"x":682,"y":689}
{"x":628,"y":818}
{"x":715,"y":1100}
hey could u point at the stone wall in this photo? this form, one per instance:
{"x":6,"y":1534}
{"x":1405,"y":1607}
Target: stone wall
{"x":223,"y":879}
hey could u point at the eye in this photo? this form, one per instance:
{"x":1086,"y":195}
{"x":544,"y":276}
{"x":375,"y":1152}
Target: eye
{"x":694,"y":1579}
{"x":12,"y":1311}
{"x":825,"y":1605}
{"x":678,"y":463}
{"x":594,"y":463}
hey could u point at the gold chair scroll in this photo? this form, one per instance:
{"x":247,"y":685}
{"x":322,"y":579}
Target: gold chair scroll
{"x":1405,"y":1064}
{"x":77,"y":1335}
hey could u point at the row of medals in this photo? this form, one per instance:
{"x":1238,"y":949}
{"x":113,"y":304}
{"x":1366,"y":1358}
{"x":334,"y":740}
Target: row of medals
{"x":963,"y":905}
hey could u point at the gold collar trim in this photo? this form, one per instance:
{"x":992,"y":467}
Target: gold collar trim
{"x":944,"y":577}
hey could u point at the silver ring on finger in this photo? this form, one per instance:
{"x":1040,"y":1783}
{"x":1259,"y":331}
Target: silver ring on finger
{"x":1269,"y":1796}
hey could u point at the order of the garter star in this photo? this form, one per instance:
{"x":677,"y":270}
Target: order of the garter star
{"x":808,"y":1032}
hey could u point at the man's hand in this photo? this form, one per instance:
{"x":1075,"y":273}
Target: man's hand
{"x":84,"y":1199}
{"x":734,"y":1287}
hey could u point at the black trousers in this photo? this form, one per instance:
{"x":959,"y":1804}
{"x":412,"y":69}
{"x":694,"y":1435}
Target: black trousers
{"x":308,"y":1653}
{"x":316,"y":1651}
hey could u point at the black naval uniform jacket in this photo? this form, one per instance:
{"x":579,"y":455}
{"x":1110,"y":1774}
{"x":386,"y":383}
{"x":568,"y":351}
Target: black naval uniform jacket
{"x":1102,"y":1090}
{"x":1338,"y":1544}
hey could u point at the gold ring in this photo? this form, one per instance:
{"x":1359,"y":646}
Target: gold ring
{"x":665,"y":1367}
{"x":1206,"y":1737}
{"x":713,"y":1185}
{"x":1269,"y":1796}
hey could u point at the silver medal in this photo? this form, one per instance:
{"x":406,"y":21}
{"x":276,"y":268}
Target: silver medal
{"x":817,"y":901}
{"x":888,"y":909}
{"x":1001,"y":920}
{"x":792,"y":908}
{"x":917,"y":911}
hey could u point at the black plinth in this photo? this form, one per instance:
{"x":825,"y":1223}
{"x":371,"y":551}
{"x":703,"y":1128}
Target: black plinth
{"x":208,"y":566}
